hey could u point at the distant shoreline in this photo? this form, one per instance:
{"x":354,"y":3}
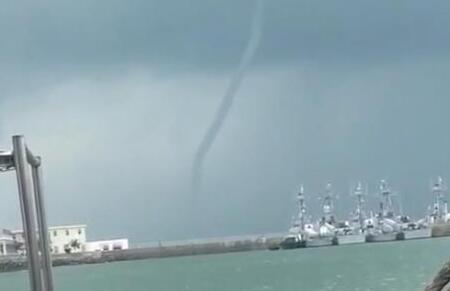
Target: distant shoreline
{"x":17,"y":262}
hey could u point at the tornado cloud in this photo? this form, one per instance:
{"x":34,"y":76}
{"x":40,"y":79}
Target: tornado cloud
{"x":228,"y":98}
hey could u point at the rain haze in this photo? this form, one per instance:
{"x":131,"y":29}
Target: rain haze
{"x":117,"y":96}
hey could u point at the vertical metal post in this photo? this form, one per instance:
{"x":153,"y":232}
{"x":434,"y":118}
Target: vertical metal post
{"x":42,"y":225}
{"x":28,"y":211}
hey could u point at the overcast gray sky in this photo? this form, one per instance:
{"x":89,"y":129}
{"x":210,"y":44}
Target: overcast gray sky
{"x":116,"y":96}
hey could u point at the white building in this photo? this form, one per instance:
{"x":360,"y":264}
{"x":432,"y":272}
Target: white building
{"x":63,"y":239}
{"x":8,"y":245}
{"x":67,"y":238}
{"x":106,"y":245}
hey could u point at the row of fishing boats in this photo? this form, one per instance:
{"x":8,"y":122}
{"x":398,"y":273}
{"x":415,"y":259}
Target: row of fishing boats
{"x":363,"y":226}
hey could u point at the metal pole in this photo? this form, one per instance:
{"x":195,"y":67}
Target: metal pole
{"x":43,"y":229}
{"x":33,"y":160}
{"x":28,"y":211}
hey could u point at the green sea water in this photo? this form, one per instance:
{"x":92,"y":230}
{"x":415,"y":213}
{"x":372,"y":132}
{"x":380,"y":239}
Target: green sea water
{"x":383,"y":266}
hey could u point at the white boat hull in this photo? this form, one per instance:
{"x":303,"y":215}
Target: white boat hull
{"x":351,"y":239}
{"x":321,"y":242}
{"x":418,"y":233}
{"x":383,"y":237}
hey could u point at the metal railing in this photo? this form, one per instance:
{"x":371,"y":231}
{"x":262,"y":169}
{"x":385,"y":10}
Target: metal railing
{"x":28,"y":169}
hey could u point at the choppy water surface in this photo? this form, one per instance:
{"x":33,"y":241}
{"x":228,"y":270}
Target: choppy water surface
{"x":386,"y":266}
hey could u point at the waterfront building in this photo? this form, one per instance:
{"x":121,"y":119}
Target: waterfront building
{"x":107,"y":245}
{"x":67,"y":238}
{"x":8,"y":245}
{"x":63,"y":239}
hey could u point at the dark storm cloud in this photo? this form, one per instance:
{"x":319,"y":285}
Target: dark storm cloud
{"x":116,"y":96}
{"x":210,"y":33}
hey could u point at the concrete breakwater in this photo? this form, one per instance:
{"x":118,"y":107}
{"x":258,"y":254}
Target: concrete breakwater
{"x":440,"y":230}
{"x":15,"y":263}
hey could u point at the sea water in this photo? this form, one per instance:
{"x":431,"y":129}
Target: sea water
{"x":406,"y":265}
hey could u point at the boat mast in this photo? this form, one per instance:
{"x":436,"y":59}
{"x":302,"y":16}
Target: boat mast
{"x":386,"y":200}
{"x":440,"y":205}
{"x":301,"y":208}
{"x":359,"y":193}
{"x":328,"y":205}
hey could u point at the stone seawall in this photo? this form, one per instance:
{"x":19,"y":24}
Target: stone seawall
{"x":440,"y":230}
{"x":189,"y":250}
{"x":15,"y":263}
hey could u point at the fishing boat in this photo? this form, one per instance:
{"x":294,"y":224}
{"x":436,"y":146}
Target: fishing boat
{"x":384,"y":232}
{"x":353,"y":232}
{"x":383,"y":227}
{"x":292,"y":241}
{"x":356,"y":238}
{"x":414,"y":229}
{"x":323,"y":233}
{"x":297,"y":234}
{"x":321,"y":242}
{"x":362,"y":226}
{"x":417,"y":233}
{"x":305,"y":234}
{"x":438,"y":214}
{"x":384,"y":237}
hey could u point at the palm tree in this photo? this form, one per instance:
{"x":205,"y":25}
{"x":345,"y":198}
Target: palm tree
{"x":72,"y":246}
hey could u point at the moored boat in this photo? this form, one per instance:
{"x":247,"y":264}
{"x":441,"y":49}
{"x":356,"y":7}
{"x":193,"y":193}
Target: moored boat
{"x":353,"y":232}
{"x":415,"y":229}
{"x":417,"y":233}
{"x":385,"y":237}
{"x":351,"y":239}
{"x":384,"y":228}
{"x":321,"y":242}
{"x":292,"y":241}
{"x":297,"y":235}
